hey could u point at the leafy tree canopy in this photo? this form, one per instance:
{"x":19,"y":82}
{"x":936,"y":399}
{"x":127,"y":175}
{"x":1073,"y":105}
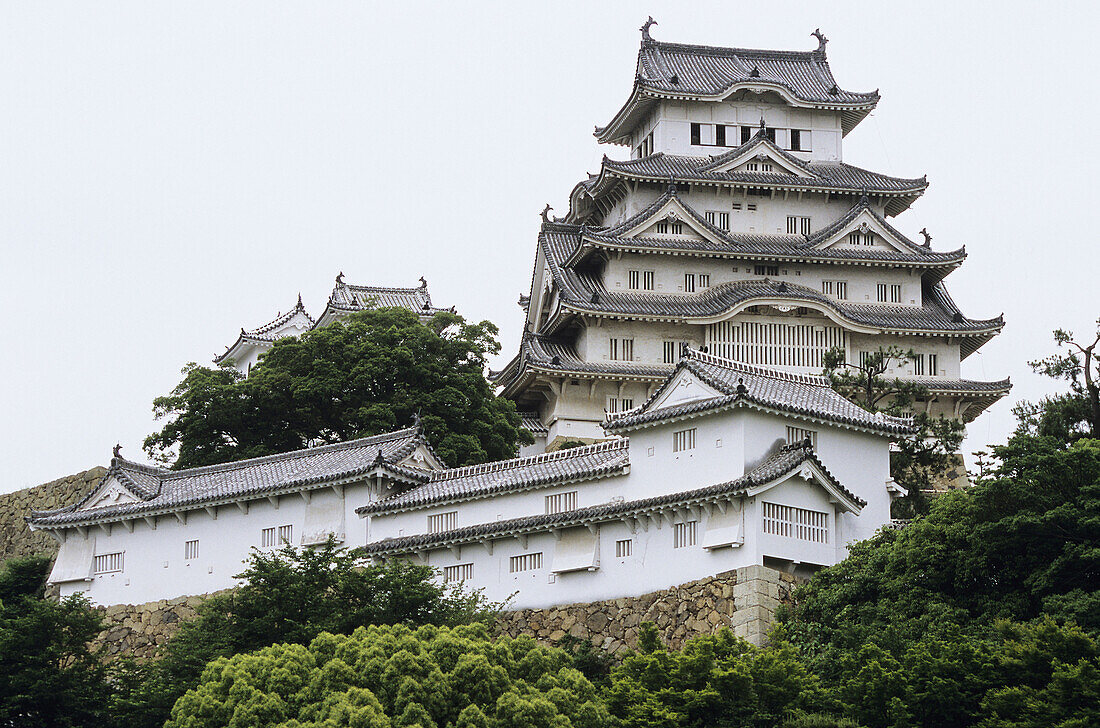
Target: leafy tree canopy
{"x":48,"y":675}
{"x":395,"y":676}
{"x":290,"y":596}
{"x":368,"y":374}
{"x":1072,"y":414}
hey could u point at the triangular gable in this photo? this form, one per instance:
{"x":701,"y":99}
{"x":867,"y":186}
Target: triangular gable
{"x":111,"y":492}
{"x":683,"y":387}
{"x":422,"y":457}
{"x":670,"y":213}
{"x":759,"y":151}
{"x":865,"y":231}
{"x":299,"y":323}
{"x":813,"y":474}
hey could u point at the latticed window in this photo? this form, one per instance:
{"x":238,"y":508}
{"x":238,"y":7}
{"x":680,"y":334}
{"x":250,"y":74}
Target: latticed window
{"x":619,"y":404}
{"x":798,"y":225}
{"x":766,"y":270}
{"x":895,"y":294}
{"x":561,"y":502}
{"x":525,"y":562}
{"x":704,"y":280}
{"x":647,"y":280}
{"x":839,"y":289}
{"x":662,"y":226}
{"x":774,"y":343}
{"x":458,"y":573}
{"x":796,"y":435}
{"x":107,"y":563}
{"x":683,"y":534}
{"x":276,"y":536}
{"x":670,"y":348}
{"x":440,"y":522}
{"x":880,"y":292}
{"x":632,"y":280}
{"x":190,"y":550}
{"x":677,"y":228}
{"x":683,"y":440}
{"x":799,"y":523}
{"x":689,"y":283}
{"x":623,"y":548}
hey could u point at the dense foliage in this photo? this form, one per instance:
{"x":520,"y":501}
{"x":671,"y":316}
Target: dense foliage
{"x":1073,"y":414}
{"x":48,"y":675}
{"x":290,"y":596}
{"x":368,"y":374}
{"x":396,"y":676}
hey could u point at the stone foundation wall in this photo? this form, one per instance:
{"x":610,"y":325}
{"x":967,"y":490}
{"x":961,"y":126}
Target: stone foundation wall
{"x":141,"y":630}
{"x":744,"y":600}
{"x":16,"y":539}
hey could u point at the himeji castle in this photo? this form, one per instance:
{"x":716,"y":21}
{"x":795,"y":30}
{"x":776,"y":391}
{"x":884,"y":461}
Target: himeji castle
{"x":735,"y":227}
{"x":345,"y":299}
{"x":677,"y":322}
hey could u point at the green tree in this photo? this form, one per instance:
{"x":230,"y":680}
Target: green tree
{"x":368,"y":374}
{"x":715,"y":680}
{"x":919,"y":460}
{"x":1073,"y":414}
{"x":48,"y":674}
{"x":393,"y":675}
{"x":290,"y":596}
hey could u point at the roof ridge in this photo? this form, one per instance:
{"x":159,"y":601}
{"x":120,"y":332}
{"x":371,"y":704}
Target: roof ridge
{"x":810,"y":379}
{"x":732,"y":51}
{"x":293,"y":454}
{"x":387,"y":289}
{"x":499,"y":465}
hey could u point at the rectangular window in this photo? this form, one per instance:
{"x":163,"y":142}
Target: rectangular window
{"x":797,"y":523}
{"x":190,"y":550}
{"x":632,"y":280}
{"x":458,"y":573}
{"x":285,"y":533}
{"x":440,"y":522}
{"x":623,"y":548}
{"x":613,"y":349}
{"x":864,"y":358}
{"x":662,"y":227}
{"x":267,"y":537}
{"x":881,"y":292}
{"x":933,"y":365}
{"x":275,"y":536}
{"x":696,"y":134}
{"x":670,"y":352}
{"x":525,"y":562}
{"x":839,"y":289}
{"x":647,"y":280}
{"x":628,"y":349}
{"x":798,"y":225}
{"x":704,"y":280}
{"x":720,"y":135}
{"x":801,"y":140}
{"x":751,"y":207}
{"x":683,"y":440}
{"x":766,"y":270}
{"x":677,"y":228}
{"x":689,"y":283}
{"x":746,"y":133}
{"x":796,"y":435}
{"x":683,"y":534}
{"x":918,"y":365}
{"x":561,"y":502}
{"x":106,"y":563}
{"x":619,"y":404}
{"x":737,"y":206}
{"x":724,"y":221}
{"x":895,"y":294}
{"x":765,"y":166}
{"x":710,"y":216}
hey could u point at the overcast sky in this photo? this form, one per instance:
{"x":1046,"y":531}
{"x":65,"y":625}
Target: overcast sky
{"x":170,"y":172}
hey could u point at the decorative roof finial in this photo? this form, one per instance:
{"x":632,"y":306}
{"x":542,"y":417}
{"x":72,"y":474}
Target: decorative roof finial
{"x":379,"y":458}
{"x":864,"y":198}
{"x":763,"y":125}
{"x":927,"y":237}
{"x":416,"y":420}
{"x":645,"y":28}
{"x":300,"y":300}
{"x":821,"y":40}
{"x":782,"y":287}
{"x":340,"y":278}
{"x":546,"y":212}
{"x":117,"y":450}
{"x":742,"y":390}
{"x":423,"y":282}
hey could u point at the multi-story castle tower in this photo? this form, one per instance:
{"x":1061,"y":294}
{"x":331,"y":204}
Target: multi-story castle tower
{"x":735,"y":226}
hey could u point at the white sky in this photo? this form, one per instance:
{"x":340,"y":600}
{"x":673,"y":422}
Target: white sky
{"x":170,"y":172}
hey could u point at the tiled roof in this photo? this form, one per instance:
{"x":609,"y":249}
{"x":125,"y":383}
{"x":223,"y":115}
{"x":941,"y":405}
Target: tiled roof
{"x":581,"y":294}
{"x":544,"y":354}
{"x":739,"y":384}
{"x":760,"y":245}
{"x":942,"y":385}
{"x":675,"y":70}
{"x":582,"y":463}
{"x":531,"y":422}
{"x":348,"y":297}
{"x":780,"y":464}
{"x":266,"y":334}
{"x":163,"y":490}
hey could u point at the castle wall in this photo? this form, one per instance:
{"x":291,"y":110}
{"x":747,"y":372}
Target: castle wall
{"x":16,"y":538}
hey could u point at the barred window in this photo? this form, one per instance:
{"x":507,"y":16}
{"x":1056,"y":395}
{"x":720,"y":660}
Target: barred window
{"x":285,"y":534}
{"x":275,"y":536}
{"x":683,"y":440}
{"x":107,"y":563}
{"x":895,"y":294}
{"x":190,"y":550}
{"x":458,"y":573}
{"x":525,"y":562}
{"x":765,"y":270}
{"x":710,"y":216}
{"x":662,"y":226}
{"x":619,"y":404}
{"x":839,"y":289}
{"x":799,"y":523}
{"x":933,"y":365}
{"x":677,"y":228}
{"x":689,"y":283}
{"x":647,"y":280}
{"x":623,"y":548}
{"x":683,"y":534}
{"x":880,"y":291}
{"x":440,"y":522}
{"x":796,"y":435}
{"x":670,"y":352}
{"x":704,"y":280}
{"x":632,"y":280}
{"x":798,"y":225}
{"x":561,"y":502}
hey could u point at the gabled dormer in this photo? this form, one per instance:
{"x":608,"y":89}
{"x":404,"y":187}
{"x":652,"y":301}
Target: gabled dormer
{"x":864,"y":229}
{"x":668,"y":218}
